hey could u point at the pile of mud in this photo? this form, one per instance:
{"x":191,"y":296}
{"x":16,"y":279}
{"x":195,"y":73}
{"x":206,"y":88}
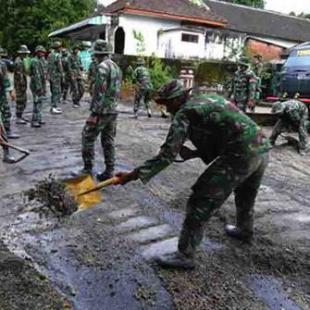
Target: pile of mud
{"x":51,"y":194}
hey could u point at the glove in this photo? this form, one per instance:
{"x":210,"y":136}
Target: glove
{"x":186,"y":153}
{"x":125,"y":177}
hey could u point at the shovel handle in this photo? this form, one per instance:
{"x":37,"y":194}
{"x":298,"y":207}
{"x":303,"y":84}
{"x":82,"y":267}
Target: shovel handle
{"x":112,"y":181}
{"x":14,"y":147}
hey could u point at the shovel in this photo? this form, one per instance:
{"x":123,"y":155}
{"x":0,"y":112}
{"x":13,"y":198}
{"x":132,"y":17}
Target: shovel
{"x":85,"y":191}
{"x":23,"y":151}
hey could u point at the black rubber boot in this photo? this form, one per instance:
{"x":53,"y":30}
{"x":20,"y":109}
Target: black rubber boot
{"x":11,"y":135}
{"x":104,"y":176}
{"x":86,"y":170}
{"x":176,"y":260}
{"x":237,"y":233}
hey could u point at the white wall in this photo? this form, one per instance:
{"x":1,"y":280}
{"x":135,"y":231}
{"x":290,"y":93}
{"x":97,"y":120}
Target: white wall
{"x":149,"y":28}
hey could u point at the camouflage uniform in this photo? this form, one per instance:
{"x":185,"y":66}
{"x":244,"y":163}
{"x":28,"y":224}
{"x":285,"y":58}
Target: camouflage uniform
{"x":258,"y":70}
{"x":76,"y":81}
{"x":244,"y":88}
{"x":234,"y":144}
{"x":37,"y":85}
{"x":92,"y":75}
{"x":102,"y":119}
{"x":5,"y":86}
{"x":55,"y":73}
{"x":143,"y":87}
{"x":66,"y":79}
{"x":293,"y":114}
{"x":20,"y":82}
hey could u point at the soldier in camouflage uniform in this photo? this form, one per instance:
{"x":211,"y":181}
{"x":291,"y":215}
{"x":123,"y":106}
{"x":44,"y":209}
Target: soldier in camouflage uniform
{"x":227,"y":140}
{"x":76,"y":76}
{"x":103,"y":116}
{"x":37,"y":85}
{"x":244,"y":86}
{"x":258,"y":67}
{"x":20,"y":83}
{"x":66,"y":79}
{"x":91,"y":75}
{"x":56,"y":76}
{"x":5,"y":86}
{"x":142,"y":79}
{"x":293,"y":115}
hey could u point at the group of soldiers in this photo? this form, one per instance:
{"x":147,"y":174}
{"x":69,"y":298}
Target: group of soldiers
{"x":233,"y":147}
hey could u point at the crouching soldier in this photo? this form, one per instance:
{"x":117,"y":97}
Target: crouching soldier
{"x":292,"y":115}
{"x":223,"y":136}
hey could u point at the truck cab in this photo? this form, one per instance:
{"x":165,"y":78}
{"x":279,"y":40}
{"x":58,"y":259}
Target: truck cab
{"x":295,"y":74}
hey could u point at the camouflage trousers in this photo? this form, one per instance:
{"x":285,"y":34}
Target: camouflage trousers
{"x":37,"y":108}
{"x":242,"y":105}
{"x":21,"y":102}
{"x":77,"y":90}
{"x":227,"y":174}
{"x":56,"y":92}
{"x":5,"y":111}
{"x":302,"y":130}
{"x":65,"y":85}
{"x":105,"y":125}
{"x":142,"y":97}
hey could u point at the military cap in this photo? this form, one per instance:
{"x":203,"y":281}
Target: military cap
{"x":23,"y":50}
{"x":76,"y":46}
{"x":284,"y":96}
{"x":40,"y":48}
{"x":101,"y":47}
{"x":243,"y":61}
{"x":56,"y":44}
{"x":64,"y":51}
{"x":140,"y":61}
{"x":170,"y":90}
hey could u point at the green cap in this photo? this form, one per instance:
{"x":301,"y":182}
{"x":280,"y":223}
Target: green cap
{"x":23,"y":49}
{"x":56,"y":44}
{"x":40,"y":48}
{"x":101,"y":47}
{"x":140,"y":62}
{"x":170,"y":90}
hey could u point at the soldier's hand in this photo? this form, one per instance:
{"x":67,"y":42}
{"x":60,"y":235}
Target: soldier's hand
{"x":12,"y":95}
{"x":251,"y":103}
{"x":186,"y":153}
{"x":125,"y":177}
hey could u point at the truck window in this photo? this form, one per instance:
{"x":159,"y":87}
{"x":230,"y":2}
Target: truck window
{"x":294,"y":61}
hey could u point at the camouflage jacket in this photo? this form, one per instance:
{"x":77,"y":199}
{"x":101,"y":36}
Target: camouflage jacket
{"x":92,"y":71}
{"x":5,"y":84}
{"x":216,"y":127}
{"x":20,"y":76}
{"x":37,"y":74}
{"x":142,"y":78}
{"x":65,"y":65}
{"x":244,"y":86}
{"x":75,"y":66}
{"x":107,"y":87}
{"x":293,"y":111}
{"x":55,"y":70}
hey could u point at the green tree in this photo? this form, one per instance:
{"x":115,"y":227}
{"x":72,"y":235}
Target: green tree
{"x":254,"y":3}
{"x":30,"y":21}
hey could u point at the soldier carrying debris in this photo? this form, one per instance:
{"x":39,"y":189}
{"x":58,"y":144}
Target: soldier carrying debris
{"x":293,"y":114}
{"x":223,"y":136}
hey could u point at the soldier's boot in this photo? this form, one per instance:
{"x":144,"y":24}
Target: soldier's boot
{"x":20,"y":121}
{"x":76,"y":104}
{"x":135,"y":114}
{"x":176,"y":260}
{"x":42,"y":122}
{"x":107,"y":174}
{"x":56,"y":111}
{"x":35,"y":124}
{"x":86,"y":170}
{"x":238,"y":233}
{"x":7,"y":157}
{"x":11,"y":135}
{"x":149,"y":112}
{"x":164,"y":114}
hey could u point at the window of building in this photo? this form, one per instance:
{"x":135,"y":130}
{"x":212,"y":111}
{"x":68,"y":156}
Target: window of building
{"x":193,"y":38}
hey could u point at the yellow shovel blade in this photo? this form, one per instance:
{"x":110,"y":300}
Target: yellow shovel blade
{"x":81,"y":184}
